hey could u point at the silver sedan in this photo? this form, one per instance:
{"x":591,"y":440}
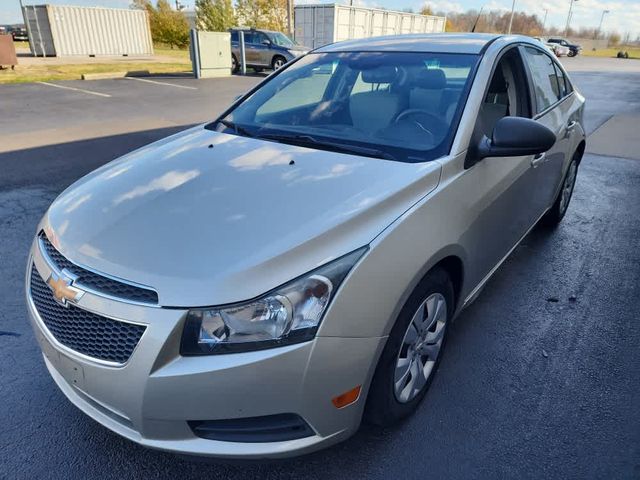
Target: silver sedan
{"x":257,"y":286}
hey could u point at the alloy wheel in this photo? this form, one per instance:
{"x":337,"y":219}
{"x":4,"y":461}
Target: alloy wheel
{"x":420,"y":348}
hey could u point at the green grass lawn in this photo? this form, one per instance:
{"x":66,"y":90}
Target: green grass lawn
{"x":43,"y":73}
{"x":634,"y":52}
{"x":164,"y":50}
{"x":173,"y":61}
{"x":21,"y":45}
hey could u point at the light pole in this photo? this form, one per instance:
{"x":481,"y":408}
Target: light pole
{"x":513,"y":7}
{"x":566,"y":30}
{"x":544,"y":21}
{"x":604,"y":12}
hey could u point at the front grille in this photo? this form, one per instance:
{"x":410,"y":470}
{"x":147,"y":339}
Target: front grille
{"x":84,"y":332}
{"x":97,"y":282}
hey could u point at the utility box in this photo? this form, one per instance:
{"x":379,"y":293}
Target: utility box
{"x":89,"y":31}
{"x":318,"y":25}
{"x":211,"y":54}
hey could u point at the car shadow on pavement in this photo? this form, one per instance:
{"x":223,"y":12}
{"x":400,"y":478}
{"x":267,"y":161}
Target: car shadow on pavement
{"x":59,"y":165}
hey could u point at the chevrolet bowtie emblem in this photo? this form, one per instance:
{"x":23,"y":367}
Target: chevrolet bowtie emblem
{"x":63,"y":290}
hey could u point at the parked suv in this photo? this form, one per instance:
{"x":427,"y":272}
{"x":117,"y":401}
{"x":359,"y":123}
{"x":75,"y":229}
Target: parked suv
{"x":574,"y":48}
{"x":264,"y":49}
{"x":19,"y":34}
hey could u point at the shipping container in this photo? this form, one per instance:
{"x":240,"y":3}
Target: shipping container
{"x":318,"y":25}
{"x":62,"y":30}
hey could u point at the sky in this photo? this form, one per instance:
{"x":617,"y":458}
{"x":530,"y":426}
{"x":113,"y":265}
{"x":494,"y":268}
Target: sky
{"x":623,"y":16}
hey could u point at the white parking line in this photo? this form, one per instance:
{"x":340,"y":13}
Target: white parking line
{"x":75,"y":89}
{"x":161,"y":83}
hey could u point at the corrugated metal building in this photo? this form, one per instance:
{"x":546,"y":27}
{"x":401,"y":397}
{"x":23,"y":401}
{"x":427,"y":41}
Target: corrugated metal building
{"x":63,"y":30}
{"x":317,"y":25}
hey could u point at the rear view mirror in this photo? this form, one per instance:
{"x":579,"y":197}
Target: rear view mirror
{"x":516,"y":136}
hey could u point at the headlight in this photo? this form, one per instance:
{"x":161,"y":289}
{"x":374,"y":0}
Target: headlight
{"x":289,"y":314}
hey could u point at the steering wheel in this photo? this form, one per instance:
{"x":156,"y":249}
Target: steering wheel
{"x":431,"y":124}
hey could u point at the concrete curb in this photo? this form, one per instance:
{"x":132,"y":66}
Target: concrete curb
{"x":109,"y":75}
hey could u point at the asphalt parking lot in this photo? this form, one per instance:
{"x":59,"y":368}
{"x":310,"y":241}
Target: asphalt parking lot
{"x":541,"y":377}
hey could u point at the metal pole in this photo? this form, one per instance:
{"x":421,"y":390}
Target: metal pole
{"x":544,"y":22}
{"x":243,"y":61}
{"x":600,"y":26}
{"x":513,"y":7}
{"x":566,"y":29}
{"x":290,"y":18}
{"x":194,"y":49}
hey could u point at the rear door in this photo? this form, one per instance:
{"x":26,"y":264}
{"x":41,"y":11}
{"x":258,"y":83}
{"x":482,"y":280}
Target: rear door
{"x":554,"y":109}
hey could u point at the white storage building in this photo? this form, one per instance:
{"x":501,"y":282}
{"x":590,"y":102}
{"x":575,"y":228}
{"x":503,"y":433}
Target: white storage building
{"x":64,"y":30}
{"x":317,"y":25}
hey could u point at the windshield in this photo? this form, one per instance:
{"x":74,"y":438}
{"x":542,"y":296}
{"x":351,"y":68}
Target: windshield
{"x":400,"y":106}
{"x":281,"y":39}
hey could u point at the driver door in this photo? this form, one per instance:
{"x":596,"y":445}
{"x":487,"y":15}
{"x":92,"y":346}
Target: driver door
{"x":498,"y":192}
{"x":262,"y":44}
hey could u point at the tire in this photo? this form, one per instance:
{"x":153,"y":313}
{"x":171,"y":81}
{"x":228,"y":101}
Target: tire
{"x":571,"y":53}
{"x":392,"y":398}
{"x":557,"y":212}
{"x":277,"y":62}
{"x":235,"y":66}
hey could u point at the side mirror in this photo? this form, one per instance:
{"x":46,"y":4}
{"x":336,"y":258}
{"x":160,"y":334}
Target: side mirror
{"x":266,"y":42}
{"x":516,"y":136}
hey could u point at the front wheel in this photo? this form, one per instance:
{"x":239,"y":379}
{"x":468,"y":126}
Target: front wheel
{"x":412,"y":353}
{"x":571,"y":53}
{"x":278,"y":62}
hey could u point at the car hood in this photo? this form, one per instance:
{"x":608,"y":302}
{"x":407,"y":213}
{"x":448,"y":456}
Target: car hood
{"x":208,"y":218}
{"x":297,"y":48}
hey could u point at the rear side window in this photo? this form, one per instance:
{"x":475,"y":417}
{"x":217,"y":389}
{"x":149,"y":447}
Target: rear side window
{"x":234,"y":36}
{"x":545,"y":78}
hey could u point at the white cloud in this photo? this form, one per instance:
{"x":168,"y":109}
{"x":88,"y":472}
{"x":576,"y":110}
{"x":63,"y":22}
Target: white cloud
{"x":445,"y":6}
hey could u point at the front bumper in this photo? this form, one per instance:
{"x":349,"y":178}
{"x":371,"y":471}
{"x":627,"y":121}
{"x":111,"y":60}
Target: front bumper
{"x":156,"y":392}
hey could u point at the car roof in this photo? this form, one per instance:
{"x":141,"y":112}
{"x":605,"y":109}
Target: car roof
{"x":251,"y":29}
{"x":472,"y":43}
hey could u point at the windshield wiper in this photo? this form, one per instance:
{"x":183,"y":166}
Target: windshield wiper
{"x":303,"y":140}
{"x":238,"y":129}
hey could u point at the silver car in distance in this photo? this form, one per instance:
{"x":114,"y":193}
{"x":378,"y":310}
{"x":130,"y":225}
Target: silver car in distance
{"x":257,"y":286}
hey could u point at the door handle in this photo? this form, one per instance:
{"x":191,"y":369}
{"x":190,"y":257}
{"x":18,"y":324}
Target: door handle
{"x":571,"y":124}
{"x":538,"y":159}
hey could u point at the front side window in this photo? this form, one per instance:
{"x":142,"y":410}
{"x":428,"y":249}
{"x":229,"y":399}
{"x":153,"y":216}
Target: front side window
{"x":398,"y":106}
{"x":260,"y":38}
{"x":545,"y":78}
{"x":507,"y":93}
